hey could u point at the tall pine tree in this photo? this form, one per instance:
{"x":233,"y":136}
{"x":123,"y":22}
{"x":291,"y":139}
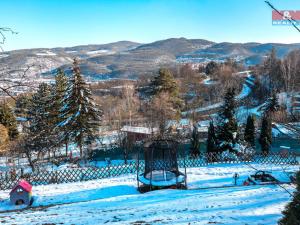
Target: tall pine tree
{"x":227,"y":126}
{"x":164,"y":82}
{"x":57,"y":94}
{"x":40,"y":121}
{"x":211,"y":139}
{"x":165,"y":102}
{"x":22,"y":105}
{"x":195,"y":142}
{"x":249,"y":135}
{"x":83,"y":116}
{"x":265,"y":138}
{"x":39,"y":138}
{"x":272,"y":104}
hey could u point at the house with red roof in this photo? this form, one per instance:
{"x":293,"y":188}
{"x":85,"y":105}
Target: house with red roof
{"x":21,"y":193}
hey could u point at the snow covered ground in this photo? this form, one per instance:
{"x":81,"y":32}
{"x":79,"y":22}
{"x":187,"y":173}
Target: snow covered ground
{"x":100,"y":52}
{"x":289,"y":130}
{"x":117,"y":201}
{"x":46,"y":53}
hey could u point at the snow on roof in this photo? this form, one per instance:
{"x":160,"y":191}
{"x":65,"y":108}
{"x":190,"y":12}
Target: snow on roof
{"x":139,"y":130}
{"x":203,"y":123}
{"x":202,"y":129}
{"x":285,"y":147}
{"x":24,"y":184}
{"x":21,"y":119}
{"x":182,"y":122}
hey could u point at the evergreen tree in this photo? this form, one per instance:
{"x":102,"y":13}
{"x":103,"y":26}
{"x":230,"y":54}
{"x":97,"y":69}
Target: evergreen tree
{"x":249,"y":135}
{"x":165,"y":102}
{"x":291,"y":214}
{"x":58,"y":92}
{"x":39,"y":137}
{"x":57,"y":102}
{"x":195,"y":142}
{"x":40,"y":128}
{"x":8,"y":119}
{"x":22,"y":105}
{"x":211,"y":139}
{"x":227,"y":126}
{"x":166,"y":84}
{"x":265,"y":138}
{"x":83,"y":116}
{"x":211,"y":68}
{"x":272,"y":104}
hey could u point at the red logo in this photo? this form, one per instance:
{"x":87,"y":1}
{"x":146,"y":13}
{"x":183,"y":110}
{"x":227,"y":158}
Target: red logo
{"x":284,"y":17}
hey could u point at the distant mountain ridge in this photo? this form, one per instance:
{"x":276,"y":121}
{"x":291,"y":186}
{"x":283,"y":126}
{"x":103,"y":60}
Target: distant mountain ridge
{"x":125,"y":59}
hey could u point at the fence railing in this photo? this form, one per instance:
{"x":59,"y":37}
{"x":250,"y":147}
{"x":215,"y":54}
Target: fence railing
{"x":10,"y":179}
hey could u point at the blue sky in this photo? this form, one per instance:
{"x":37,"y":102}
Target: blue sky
{"x":62,"y":23}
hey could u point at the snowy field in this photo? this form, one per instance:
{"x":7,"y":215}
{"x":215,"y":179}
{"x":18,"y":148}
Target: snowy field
{"x":117,"y":201}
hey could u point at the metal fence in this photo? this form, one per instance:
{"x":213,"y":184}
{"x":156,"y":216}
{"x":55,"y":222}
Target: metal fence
{"x":9,"y":179}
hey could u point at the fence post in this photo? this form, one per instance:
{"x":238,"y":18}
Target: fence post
{"x":185,"y":177}
{"x":109,"y":172}
{"x":137,"y":170}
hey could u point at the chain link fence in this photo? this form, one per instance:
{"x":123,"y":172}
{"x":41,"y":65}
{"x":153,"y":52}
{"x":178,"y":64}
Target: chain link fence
{"x":10,"y":179}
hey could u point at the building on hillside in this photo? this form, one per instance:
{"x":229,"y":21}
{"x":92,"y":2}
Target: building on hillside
{"x":181,"y":126}
{"x":203,"y":129}
{"x":296,"y":104}
{"x":138,"y":133}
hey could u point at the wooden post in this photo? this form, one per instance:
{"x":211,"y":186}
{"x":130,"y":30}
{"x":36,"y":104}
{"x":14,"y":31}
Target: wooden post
{"x":151,"y":169}
{"x":137,"y":169}
{"x":185,"y":182}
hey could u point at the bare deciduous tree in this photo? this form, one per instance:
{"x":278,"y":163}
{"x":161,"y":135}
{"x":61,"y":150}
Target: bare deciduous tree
{"x":12,"y":80}
{"x":3,"y":32}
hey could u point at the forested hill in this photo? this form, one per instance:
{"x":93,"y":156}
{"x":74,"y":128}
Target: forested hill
{"x":127,"y":59}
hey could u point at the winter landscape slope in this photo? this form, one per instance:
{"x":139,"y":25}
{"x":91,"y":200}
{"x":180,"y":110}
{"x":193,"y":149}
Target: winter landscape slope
{"x":126,"y":59}
{"x":117,"y":201}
